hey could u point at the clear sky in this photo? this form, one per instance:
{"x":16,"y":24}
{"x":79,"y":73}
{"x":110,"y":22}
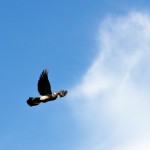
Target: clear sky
{"x":99,"y":50}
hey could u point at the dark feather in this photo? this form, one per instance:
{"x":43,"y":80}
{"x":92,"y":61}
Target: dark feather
{"x":33,"y":101}
{"x":44,"y":86}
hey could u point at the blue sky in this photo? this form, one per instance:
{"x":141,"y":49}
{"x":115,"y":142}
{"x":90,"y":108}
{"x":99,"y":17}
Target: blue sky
{"x":99,"y":51}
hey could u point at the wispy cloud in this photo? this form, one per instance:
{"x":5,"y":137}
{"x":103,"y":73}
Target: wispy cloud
{"x":111,"y":100}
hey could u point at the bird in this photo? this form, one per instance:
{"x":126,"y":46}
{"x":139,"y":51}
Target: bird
{"x":44,"y":89}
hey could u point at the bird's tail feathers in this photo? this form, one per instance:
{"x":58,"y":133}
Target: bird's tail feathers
{"x":33,"y":101}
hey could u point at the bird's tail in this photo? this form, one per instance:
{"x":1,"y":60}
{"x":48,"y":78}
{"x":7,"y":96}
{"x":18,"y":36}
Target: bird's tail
{"x":33,"y":101}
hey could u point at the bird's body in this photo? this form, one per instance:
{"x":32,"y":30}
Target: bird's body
{"x":45,"y":97}
{"x":44,"y":88}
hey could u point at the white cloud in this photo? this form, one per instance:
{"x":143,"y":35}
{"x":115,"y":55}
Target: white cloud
{"x":112,"y":99}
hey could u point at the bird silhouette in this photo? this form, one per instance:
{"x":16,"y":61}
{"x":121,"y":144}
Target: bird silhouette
{"x":44,"y":89}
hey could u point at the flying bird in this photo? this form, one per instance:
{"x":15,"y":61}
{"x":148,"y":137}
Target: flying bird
{"x":44,"y":89}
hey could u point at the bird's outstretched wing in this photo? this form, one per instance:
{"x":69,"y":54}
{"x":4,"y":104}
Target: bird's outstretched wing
{"x":44,"y":86}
